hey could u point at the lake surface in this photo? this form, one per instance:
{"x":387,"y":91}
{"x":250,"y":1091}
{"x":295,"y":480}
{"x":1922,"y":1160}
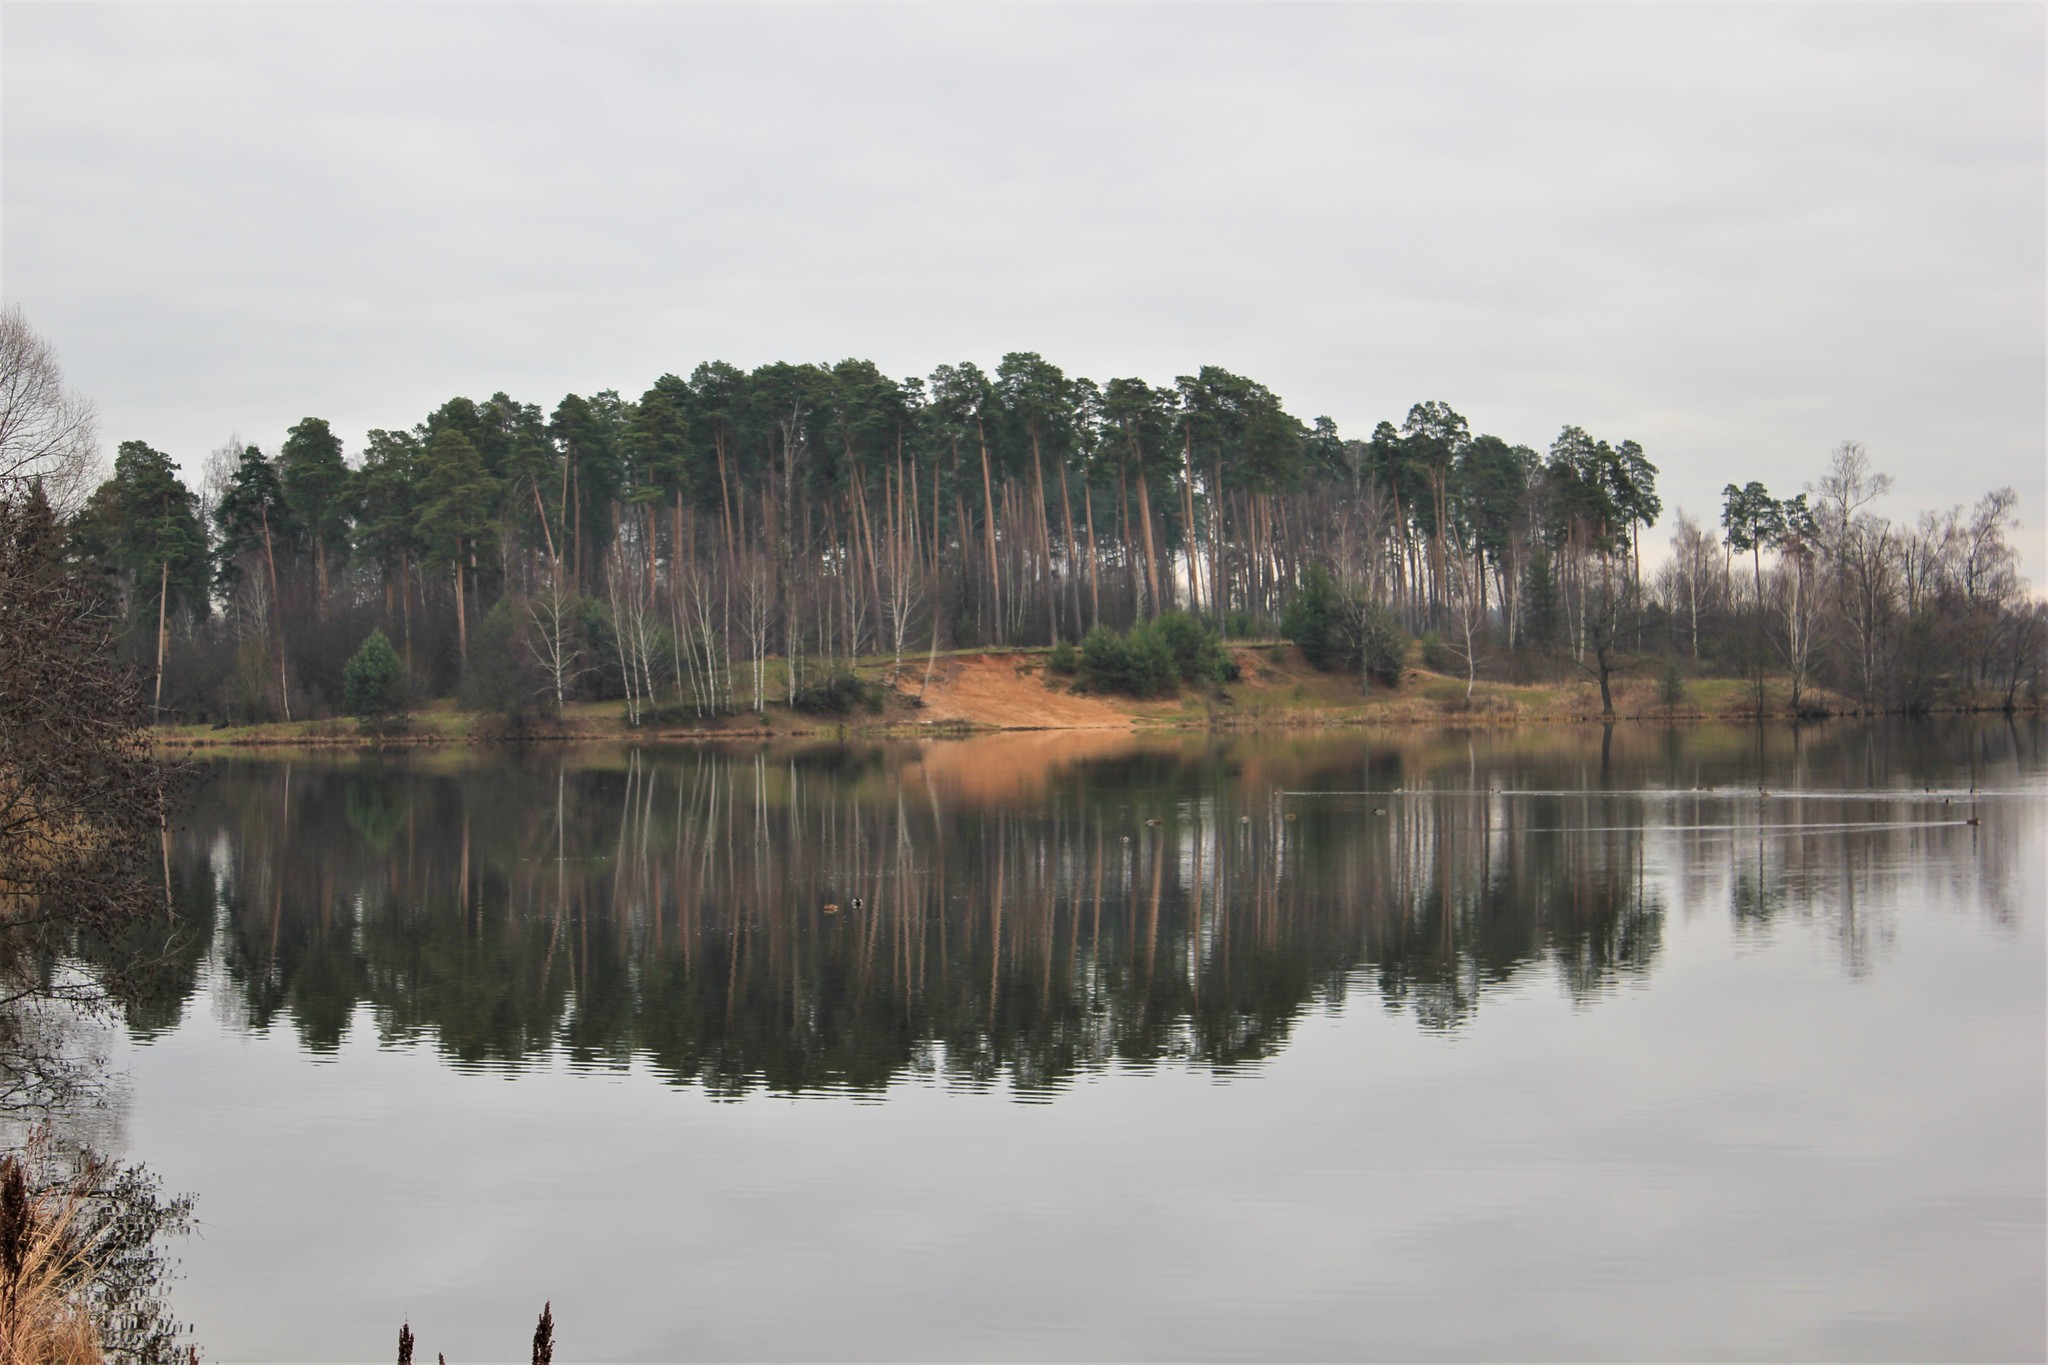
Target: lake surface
{"x":1533,"y":1044}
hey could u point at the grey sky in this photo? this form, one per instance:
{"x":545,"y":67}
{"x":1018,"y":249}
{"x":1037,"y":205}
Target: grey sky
{"x":1735,"y":234}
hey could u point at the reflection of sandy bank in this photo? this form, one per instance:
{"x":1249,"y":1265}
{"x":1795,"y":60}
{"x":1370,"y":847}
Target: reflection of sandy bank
{"x":1015,"y":763}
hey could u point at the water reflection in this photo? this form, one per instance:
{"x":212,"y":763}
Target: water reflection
{"x":1024,"y":909}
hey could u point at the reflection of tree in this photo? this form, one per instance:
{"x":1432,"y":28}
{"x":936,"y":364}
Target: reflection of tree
{"x":1485,"y":889}
{"x":153,"y":963}
{"x":375,"y":808}
{"x":675,"y":910}
{"x":292,"y":948}
{"x":1757,"y":892}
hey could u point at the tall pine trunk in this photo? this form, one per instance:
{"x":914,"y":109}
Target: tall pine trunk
{"x":461,"y":617}
{"x":1094,"y":560}
{"x":1151,"y":550}
{"x":284,"y":694}
{"x":1067,"y":554}
{"x":163,"y":597}
{"x":988,"y":499}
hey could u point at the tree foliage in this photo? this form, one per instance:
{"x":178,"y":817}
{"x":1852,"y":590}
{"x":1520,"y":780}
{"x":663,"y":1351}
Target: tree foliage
{"x":821,"y":513}
{"x":1340,"y":631}
{"x":1154,"y":657}
{"x":373,"y":684}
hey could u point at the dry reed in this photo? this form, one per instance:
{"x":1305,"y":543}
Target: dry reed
{"x":43,"y":1266}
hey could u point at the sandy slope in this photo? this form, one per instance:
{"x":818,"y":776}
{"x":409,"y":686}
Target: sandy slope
{"x":1009,"y":691}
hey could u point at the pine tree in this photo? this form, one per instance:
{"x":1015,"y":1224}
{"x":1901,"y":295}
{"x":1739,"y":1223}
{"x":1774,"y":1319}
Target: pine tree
{"x":456,"y":497}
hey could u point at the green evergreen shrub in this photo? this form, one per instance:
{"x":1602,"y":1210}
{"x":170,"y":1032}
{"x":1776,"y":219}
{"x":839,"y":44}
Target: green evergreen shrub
{"x":1310,"y":620}
{"x":1342,"y":632}
{"x":373,"y":681}
{"x":1154,"y":657}
{"x":1671,"y":691}
{"x":835,"y":695}
{"x":1136,"y":664}
{"x":1198,"y":654}
{"x":1380,"y":649}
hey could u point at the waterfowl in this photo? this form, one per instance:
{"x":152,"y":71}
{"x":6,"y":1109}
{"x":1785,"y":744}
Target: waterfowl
{"x":1290,"y":815}
{"x":831,"y":908}
{"x":857,"y":903}
{"x":1155,"y":820}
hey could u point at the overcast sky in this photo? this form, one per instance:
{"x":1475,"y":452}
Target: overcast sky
{"x":1738,"y":235}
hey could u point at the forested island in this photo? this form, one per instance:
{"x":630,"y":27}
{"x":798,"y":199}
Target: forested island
{"x":740,"y":539}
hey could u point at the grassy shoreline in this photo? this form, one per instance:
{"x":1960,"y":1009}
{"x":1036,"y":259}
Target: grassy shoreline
{"x":1012,"y":690}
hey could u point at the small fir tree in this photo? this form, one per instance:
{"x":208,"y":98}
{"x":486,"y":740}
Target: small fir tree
{"x":373,"y":683}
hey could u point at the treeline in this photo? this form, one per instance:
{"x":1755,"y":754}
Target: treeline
{"x":665,"y":549}
{"x":1893,"y":615}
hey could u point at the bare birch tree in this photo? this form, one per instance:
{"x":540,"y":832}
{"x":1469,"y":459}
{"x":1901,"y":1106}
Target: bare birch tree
{"x":1466,"y":612}
{"x":1691,"y":575}
{"x":757,"y":607}
{"x":47,"y":434}
{"x":552,"y":614}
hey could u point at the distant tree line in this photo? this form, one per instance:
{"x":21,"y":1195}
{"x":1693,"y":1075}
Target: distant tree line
{"x":1895,"y":616}
{"x":665,"y":549}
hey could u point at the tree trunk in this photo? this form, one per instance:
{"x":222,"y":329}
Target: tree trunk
{"x":284,"y":695}
{"x":937,"y":540}
{"x":1094,"y":567}
{"x":1219,"y":584}
{"x":1757,"y":636}
{"x":724,"y":498}
{"x":1052,"y":591}
{"x":1187,"y":497}
{"x":1635,"y":556}
{"x":461,"y":618}
{"x":163,"y":597}
{"x":405,"y":603}
{"x":988,"y":499}
{"x":1151,"y":551}
{"x":1067,"y":525}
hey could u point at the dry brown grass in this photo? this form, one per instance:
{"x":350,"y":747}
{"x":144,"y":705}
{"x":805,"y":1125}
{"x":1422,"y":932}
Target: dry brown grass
{"x":43,"y":1264}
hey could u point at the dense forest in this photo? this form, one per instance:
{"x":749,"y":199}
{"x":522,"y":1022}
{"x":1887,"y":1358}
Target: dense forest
{"x":665,"y":549}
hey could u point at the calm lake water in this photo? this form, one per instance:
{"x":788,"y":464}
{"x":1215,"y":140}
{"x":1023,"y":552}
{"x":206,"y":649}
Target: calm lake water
{"x":1542,"y":1044}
